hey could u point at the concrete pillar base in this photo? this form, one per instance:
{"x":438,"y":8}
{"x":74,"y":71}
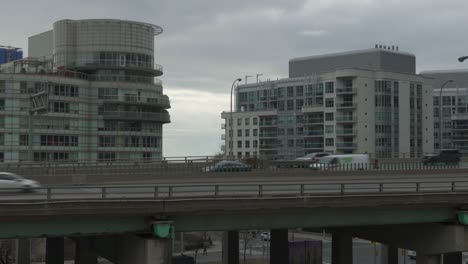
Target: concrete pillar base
{"x":453,"y":258}
{"x":342,"y":248}
{"x":231,"y":247}
{"x":279,"y":250}
{"x":85,"y":253}
{"x":23,"y":251}
{"x":424,"y":259}
{"x":54,"y":250}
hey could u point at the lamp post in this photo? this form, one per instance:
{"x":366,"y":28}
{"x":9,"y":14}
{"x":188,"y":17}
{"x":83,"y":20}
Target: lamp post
{"x":231,"y":123}
{"x":440,"y":111}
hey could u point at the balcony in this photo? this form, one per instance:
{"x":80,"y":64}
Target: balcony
{"x":340,"y":105}
{"x":313,"y":121}
{"x":346,"y":90}
{"x":461,"y":117}
{"x":313,"y":133}
{"x":346,"y":119}
{"x":223,"y":126}
{"x":154,"y":69}
{"x":268,"y":123}
{"x":145,"y":116}
{"x":131,"y":99}
{"x":313,"y":145}
{"x":346,"y":132}
{"x":223,"y":136}
{"x":346,"y":145}
{"x":313,"y":108}
{"x":269,"y":135}
{"x":124,"y":78}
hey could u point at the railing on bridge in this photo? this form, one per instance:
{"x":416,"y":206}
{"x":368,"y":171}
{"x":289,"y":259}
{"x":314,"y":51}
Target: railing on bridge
{"x":241,"y":191}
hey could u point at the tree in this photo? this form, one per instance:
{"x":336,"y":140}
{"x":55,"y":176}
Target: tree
{"x":6,"y":251}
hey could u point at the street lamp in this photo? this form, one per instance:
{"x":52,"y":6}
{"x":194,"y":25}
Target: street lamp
{"x":231,"y":123}
{"x":463,"y":58}
{"x":440,"y":111}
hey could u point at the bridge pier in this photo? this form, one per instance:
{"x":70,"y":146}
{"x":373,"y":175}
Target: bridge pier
{"x":453,"y":258}
{"x":23,"y":251}
{"x":85,"y":252}
{"x":429,"y":259}
{"x":54,"y":250}
{"x":230,"y":252}
{"x":342,"y":248}
{"x":279,"y":249}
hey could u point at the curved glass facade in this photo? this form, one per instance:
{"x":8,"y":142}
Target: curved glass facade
{"x":103,"y":100}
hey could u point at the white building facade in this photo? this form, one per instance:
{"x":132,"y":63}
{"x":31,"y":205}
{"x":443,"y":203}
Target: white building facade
{"x":102,"y":102}
{"x":336,"y":109}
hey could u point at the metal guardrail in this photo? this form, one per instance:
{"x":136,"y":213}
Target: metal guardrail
{"x":244,"y":191}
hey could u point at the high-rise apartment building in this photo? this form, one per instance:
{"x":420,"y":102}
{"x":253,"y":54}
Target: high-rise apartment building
{"x":368,"y":101}
{"x":450,"y":109}
{"x":87,"y":91}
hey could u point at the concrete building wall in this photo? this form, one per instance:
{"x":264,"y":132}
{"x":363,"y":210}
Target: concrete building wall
{"x":41,"y":45}
{"x":375,"y":59}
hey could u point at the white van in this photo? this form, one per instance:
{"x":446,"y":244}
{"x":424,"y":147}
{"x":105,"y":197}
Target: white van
{"x":342,"y":162}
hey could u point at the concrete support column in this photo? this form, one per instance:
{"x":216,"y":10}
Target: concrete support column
{"x":279,"y":246}
{"x":231,"y":247}
{"x":390,"y":254}
{"x":425,"y":259}
{"x":54,"y":250}
{"x":342,"y":248}
{"x":23,"y":251}
{"x":453,"y":258}
{"x":85,"y":252}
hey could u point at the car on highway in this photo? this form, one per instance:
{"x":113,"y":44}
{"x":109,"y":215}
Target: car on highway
{"x":12,"y":182}
{"x":443,"y":156}
{"x":313,"y":157}
{"x":228,"y":166}
{"x":342,"y":162}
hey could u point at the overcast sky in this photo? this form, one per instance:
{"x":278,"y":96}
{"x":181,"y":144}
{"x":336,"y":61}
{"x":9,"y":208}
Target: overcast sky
{"x":207,"y":44}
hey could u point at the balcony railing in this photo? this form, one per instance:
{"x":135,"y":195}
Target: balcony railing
{"x":147,"y":66}
{"x":313,"y":133}
{"x":263,"y":135}
{"x":346,"y":118}
{"x":309,"y":121}
{"x":346,"y":132}
{"x":346,"y":105}
{"x":124,"y":78}
{"x":148,"y":116}
{"x":346,"y":90}
{"x":313,"y":145}
{"x":268,"y":123}
{"x":162,"y":100}
{"x":346,"y":145}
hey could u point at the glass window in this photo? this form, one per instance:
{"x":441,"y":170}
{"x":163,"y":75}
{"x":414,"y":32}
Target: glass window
{"x":329,"y":117}
{"x":247,"y":132}
{"x":329,"y":87}
{"x":255,"y":121}
{"x":239,"y":121}
{"x":239,"y":132}
{"x":329,"y":129}
{"x":247,"y":121}
{"x":329,"y":102}
{"x":239,"y":144}
{"x":247,"y":144}
{"x":329,"y":142}
{"x":299,"y":90}
{"x":290,"y":91}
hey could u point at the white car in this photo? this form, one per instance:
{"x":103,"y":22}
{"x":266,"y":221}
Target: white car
{"x":11,"y":181}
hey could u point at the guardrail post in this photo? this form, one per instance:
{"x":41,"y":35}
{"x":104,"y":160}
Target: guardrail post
{"x":216,"y":190}
{"x":380,"y":187}
{"x":342,"y":189}
{"x":103,"y":190}
{"x":417,"y":187}
{"x":170,"y":192}
{"x":49,"y":194}
{"x":155,"y":191}
{"x":260,"y":190}
{"x":453,"y":186}
{"x":302,"y":189}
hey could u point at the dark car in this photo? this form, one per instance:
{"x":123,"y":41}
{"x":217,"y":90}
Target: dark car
{"x":443,"y":156}
{"x":228,"y":166}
